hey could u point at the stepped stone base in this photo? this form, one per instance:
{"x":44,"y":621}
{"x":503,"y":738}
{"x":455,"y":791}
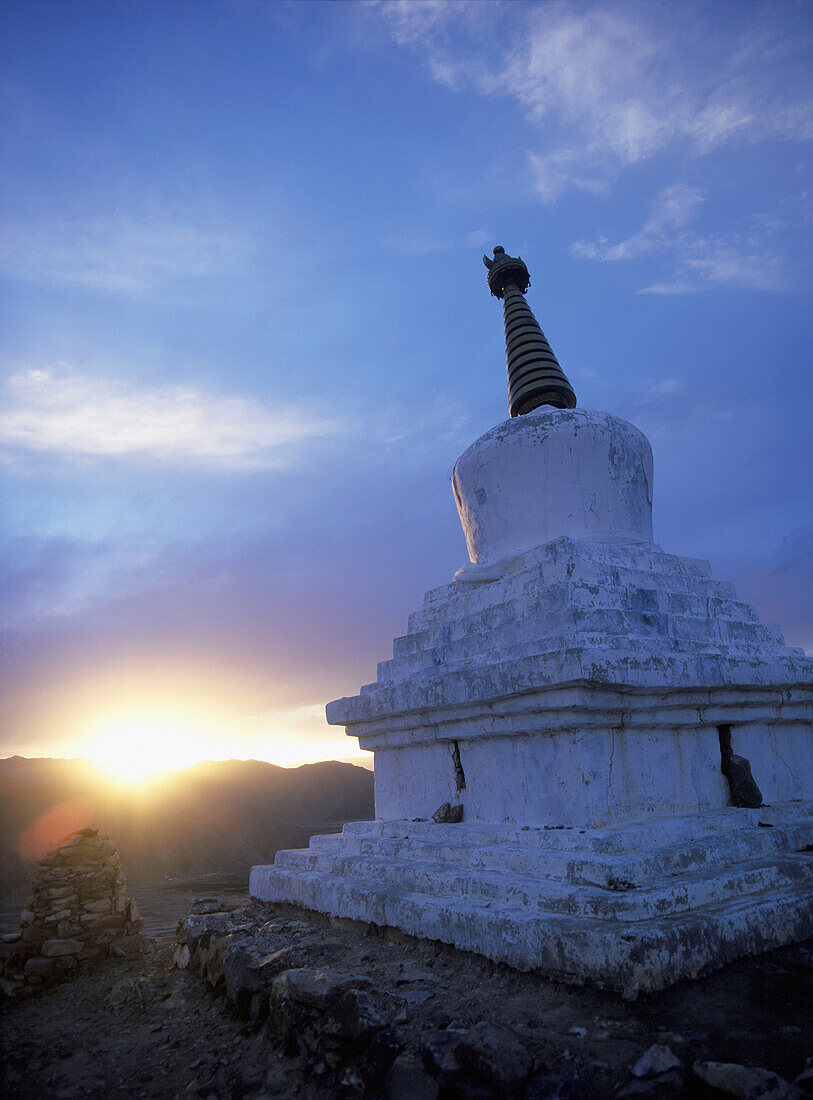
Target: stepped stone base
{"x":594,"y":705}
{"x":632,"y":907}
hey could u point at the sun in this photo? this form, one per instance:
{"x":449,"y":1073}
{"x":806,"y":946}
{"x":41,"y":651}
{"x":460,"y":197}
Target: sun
{"x":139,"y":746}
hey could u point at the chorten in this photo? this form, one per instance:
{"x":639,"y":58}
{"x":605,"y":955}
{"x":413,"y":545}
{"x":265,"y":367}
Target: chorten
{"x":581,"y":740}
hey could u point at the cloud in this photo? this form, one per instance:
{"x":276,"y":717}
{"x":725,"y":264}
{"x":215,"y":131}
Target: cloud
{"x":712,"y":263}
{"x":559,"y":170}
{"x":610,"y":87}
{"x":75,"y":415}
{"x":46,"y":579}
{"x":671,"y":210}
{"x":479,"y":237}
{"x":124,"y":255}
{"x":744,"y":259}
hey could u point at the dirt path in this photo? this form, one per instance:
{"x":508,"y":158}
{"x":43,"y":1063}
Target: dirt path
{"x":132,"y":1029}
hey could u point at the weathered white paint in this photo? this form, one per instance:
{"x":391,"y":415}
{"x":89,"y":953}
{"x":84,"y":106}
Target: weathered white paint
{"x":582,"y":674}
{"x":584,"y":685}
{"x":632,"y":908}
{"x":578,"y":778}
{"x":554,"y":472}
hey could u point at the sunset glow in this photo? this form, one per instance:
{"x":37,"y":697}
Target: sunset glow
{"x":235,"y":379}
{"x":137,"y":747}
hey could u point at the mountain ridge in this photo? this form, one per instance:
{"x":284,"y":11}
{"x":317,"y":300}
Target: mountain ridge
{"x":211,"y":817}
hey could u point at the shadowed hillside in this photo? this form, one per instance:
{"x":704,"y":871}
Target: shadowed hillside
{"x":215,"y":817}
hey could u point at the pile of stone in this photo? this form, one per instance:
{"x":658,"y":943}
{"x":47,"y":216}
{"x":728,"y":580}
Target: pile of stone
{"x":78,"y":911}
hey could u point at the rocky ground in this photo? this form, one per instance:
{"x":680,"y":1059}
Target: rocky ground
{"x":313,"y":1008}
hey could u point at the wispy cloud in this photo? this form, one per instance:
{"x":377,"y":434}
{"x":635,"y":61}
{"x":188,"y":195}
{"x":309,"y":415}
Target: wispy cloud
{"x":76,"y":415}
{"x":42,"y":580}
{"x":123,"y":255}
{"x":671,"y":210}
{"x":695,"y":262}
{"x":610,"y":86}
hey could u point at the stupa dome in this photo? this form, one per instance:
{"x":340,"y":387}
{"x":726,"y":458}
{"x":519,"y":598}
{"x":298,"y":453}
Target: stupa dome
{"x":554,"y":472}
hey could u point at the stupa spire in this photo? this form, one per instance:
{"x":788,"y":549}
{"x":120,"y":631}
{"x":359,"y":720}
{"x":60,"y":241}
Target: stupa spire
{"x":534,"y":375}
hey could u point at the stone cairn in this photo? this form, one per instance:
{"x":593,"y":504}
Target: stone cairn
{"x":78,"y":911}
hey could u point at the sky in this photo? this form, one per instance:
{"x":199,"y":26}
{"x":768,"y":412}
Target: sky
{"x":247,"y":329}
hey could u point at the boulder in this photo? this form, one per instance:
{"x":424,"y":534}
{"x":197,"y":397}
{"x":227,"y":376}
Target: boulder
{"x":248,"y":970}
{"x":315,"y":989}
{"x":658,"y":1059}
{"x":496,"y":1053}
{"x":408,"y":1080}
{"x":447,"y":814}
{"x":746,"y":1082}
{"x":357,"y":1014}
{"x":439,"y":1054}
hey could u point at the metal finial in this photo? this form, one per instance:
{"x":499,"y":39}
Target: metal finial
{"x":534,"y":375}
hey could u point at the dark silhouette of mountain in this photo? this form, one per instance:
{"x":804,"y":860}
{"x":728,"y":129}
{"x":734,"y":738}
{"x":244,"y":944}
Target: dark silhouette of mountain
{"x":215,"y":817}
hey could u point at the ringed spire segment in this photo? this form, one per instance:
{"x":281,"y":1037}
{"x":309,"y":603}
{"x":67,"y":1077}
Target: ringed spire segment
{"x":534,"y":375}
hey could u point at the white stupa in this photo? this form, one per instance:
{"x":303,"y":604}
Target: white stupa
{"x":628,"y":749}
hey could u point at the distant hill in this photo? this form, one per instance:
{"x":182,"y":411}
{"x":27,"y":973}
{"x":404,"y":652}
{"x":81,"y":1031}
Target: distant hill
{"x":215,"y":817}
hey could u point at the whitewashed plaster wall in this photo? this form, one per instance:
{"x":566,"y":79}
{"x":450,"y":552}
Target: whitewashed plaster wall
{"x":554,"y":472}
{"x":589,"y":779}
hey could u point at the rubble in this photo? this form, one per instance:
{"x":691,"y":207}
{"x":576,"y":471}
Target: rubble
{"x":322,"y":995}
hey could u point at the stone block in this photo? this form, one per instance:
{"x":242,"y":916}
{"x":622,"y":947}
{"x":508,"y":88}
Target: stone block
{"x":105,"y":922}
{"x":39,"y":967}
{"x":92,"y":951}
{"x":65,"y":963}
{"x":68,"y":930}
{"x":11,"y":951}
{"x":58,"y":893}
{"x":53,"y":949}
{"x":102,"y":905}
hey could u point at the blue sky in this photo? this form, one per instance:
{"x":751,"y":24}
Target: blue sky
{"x":248,"y":330}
